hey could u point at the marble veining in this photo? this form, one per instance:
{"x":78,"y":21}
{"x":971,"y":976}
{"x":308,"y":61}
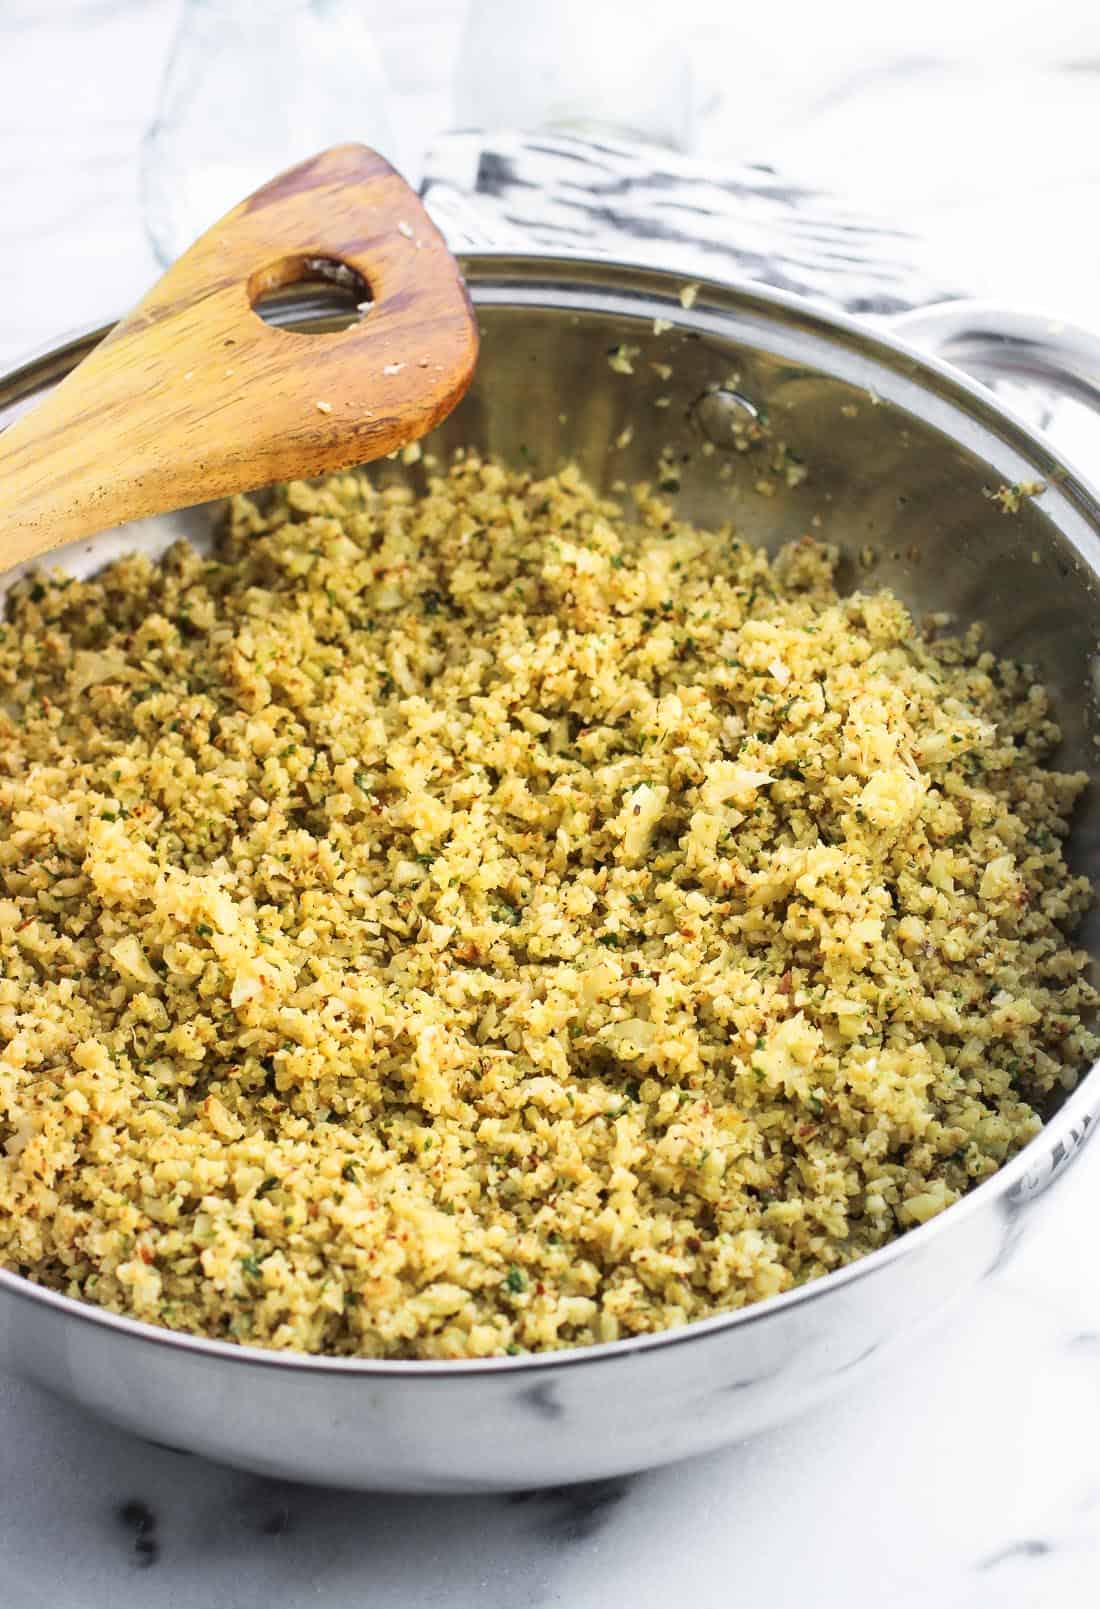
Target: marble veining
{"x":1033,"y":1548}
{"x":964,"y":1473}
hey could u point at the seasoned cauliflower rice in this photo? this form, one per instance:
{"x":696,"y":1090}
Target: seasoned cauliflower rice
{"x":480,"y":922}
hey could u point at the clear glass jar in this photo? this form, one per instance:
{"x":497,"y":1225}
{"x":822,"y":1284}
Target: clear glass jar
{"x":582,"y":66}
{"x":253,"y":86}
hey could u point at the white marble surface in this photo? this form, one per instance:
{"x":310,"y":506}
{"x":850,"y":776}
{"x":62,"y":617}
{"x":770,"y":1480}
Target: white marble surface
{"x":965,"y":1474}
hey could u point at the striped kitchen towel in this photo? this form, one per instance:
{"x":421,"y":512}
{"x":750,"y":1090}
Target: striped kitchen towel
{"x":597,"y":196}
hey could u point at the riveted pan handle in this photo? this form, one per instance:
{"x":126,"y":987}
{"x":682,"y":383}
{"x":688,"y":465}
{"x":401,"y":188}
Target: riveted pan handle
{"x":998,"y":343}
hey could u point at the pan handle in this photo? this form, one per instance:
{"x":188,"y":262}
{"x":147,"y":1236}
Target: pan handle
{"x":1000,"y":343}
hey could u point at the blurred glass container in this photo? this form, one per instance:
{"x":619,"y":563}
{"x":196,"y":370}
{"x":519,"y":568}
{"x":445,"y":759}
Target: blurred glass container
{"x":580,"y":66}
{"x":251,"y":87}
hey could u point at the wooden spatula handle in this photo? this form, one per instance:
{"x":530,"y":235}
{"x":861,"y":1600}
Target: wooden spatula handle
{"x":194,"y":396}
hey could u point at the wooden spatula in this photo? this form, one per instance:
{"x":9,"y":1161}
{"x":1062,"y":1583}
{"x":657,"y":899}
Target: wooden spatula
{"x":194,"y":396}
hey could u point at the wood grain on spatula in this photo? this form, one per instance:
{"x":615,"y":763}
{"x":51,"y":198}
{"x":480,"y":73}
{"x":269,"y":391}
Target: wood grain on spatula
{"x":194,"y":396}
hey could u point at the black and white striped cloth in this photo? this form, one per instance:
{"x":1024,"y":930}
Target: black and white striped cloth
{"x":596,"y":196}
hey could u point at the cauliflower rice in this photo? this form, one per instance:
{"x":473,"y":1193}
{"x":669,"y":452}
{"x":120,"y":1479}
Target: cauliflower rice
{"x":483,"y":922}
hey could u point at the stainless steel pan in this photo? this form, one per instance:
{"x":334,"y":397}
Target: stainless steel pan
{"x":903,"y":453}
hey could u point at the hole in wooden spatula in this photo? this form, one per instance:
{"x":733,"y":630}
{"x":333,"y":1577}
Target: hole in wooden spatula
{"x":309,"y":294}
